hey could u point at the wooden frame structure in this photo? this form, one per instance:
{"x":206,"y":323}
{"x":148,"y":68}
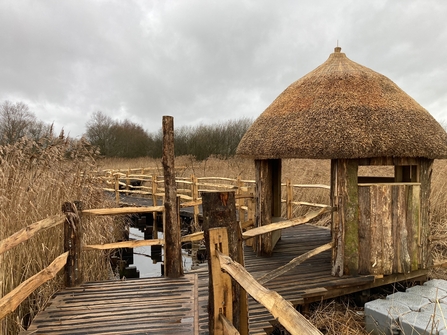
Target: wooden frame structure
{"x":380,"y":224}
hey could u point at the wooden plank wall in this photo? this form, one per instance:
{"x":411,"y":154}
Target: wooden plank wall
{"x":389,"y":228}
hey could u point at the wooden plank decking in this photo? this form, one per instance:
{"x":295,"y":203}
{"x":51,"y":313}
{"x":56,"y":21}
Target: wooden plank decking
{"x":139,"y":306}
{"x":165,"y":306}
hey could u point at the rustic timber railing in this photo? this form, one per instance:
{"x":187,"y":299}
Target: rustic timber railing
{"x":230,"y":282}
{"x":72,"y":247}
{"x":137,"y":182}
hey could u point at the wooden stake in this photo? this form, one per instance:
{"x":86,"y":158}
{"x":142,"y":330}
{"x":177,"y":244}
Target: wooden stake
{"x":72,"y":243}
{"x":220,"y":295}
{"x":173,"y":250}
{"x":219,"y":210}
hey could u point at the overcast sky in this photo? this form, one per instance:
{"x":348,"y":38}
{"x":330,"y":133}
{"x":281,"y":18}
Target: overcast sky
{"x":206,"y":61}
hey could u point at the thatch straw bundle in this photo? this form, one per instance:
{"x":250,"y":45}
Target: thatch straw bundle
{"x":344,"y":110}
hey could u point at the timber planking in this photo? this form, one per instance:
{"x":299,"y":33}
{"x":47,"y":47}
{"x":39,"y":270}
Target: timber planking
{"x":139,"y":306}
{"x":180,"y":306}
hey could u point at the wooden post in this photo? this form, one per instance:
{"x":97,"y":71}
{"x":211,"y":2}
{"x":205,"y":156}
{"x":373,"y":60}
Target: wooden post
{"x":425,"y":173}
{"x":219,"y":210}
{"x":127,"y":180}
{"x":72,"y":243}
{"x":268,"y":197}
{"x":289,"y":198}
{"x":220,"y":287}
{"x":251,"y":213}
{"x":117,"y":190}
{"x":173,"y":247}
{"x":195,"y":196}
{"x":344,"y":193}
{"x":154,"y":203}
{"x":240,"y":202}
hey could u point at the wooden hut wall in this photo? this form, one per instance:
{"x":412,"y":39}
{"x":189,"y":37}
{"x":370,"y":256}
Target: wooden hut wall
{"x":389,"y":228}
{"x":381,"y":227}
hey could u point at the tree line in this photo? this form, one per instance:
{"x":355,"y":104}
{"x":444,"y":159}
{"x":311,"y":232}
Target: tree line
{"x":127,"y":139}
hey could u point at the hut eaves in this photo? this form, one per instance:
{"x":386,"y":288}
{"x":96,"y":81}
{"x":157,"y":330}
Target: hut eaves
{"x":344,"y":110}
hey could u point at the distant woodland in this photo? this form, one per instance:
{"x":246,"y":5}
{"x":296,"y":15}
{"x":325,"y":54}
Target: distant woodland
{"x":124,"y":138}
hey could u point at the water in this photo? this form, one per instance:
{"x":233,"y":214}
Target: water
{"x":142,"y":257}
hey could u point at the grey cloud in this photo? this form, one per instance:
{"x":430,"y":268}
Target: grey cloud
{"x":205,"y":61}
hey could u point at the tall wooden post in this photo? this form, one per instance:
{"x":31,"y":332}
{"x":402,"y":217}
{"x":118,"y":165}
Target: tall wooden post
{"x":173,"y":247}
{"x":117,"y":190}
{"x":154,"y":203}
{"x":219,"y":210}
{"x":268,"y":197}
{"x":72,"y":243}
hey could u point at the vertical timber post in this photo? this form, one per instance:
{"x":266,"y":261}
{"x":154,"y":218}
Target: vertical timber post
{"x":154,"y":203}
{"x":289,"y":198}
{"x":173,"y":247}
{"x":219,"y":210}
{"x":268,"y":198}
{"x":117,"y":190}
{"x":72,"y":243}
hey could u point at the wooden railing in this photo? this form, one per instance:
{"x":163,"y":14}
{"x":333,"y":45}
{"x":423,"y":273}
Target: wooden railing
{"x":10,"y":301}
{"x":72,"y":246}
{"x":224,"y":306}
{"x":72,"y":232}
{"x":189,"y":190}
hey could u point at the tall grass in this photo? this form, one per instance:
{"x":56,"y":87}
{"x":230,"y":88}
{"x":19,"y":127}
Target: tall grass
{"x":35,"y":179}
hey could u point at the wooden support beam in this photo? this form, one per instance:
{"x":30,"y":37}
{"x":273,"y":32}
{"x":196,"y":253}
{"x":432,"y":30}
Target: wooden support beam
{"x":294,"y":263}
{"x":124,"y":244}
{"x":284,"y":224}
{"x":219,"y":210}
{"x":123,"y":210}
{"x":193,"y":237}
{"x":173,"y":247}
{"x":280,"y":308}
{"x":72,"y":243}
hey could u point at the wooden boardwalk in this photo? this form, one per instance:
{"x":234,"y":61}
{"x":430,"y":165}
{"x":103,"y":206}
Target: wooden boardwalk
{"x":165,"y":306}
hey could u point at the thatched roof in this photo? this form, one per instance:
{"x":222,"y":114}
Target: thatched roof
{"x":344,"y":110}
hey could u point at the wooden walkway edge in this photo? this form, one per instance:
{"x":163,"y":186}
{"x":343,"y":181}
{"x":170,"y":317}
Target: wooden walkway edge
{"x":138,"y":306}
{"x":160,"y":305}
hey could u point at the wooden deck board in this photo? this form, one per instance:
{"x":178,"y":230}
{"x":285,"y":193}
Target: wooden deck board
{"x":166,"y":306}
{"x":140,"y":306}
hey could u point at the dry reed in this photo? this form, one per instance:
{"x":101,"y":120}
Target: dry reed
{"x":35,"y":179}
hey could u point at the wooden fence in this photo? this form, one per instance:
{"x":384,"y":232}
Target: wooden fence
{"x":243,"y":193}
{"x":189,"y":190}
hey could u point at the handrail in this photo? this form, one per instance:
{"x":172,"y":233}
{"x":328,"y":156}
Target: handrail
{"x":13,"y":299}
{"x":26,"y":233}
{"x":124,"y":244}
{"x":122,"y":210}
{"x":284,"y":224}
{"x":280,"y":308}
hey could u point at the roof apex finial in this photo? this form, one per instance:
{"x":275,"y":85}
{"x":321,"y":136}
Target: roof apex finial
{"x":337,"y":49}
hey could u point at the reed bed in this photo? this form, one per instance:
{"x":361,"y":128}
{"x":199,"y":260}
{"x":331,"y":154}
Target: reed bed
{"x":35,"y":179}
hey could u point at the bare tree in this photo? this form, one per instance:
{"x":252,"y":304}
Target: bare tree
{"x":16,"y":121}
{"x":99,"y":132}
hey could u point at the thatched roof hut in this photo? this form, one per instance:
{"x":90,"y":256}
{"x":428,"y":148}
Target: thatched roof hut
{"x":344,"y":110}
{"x":354,"y":116}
